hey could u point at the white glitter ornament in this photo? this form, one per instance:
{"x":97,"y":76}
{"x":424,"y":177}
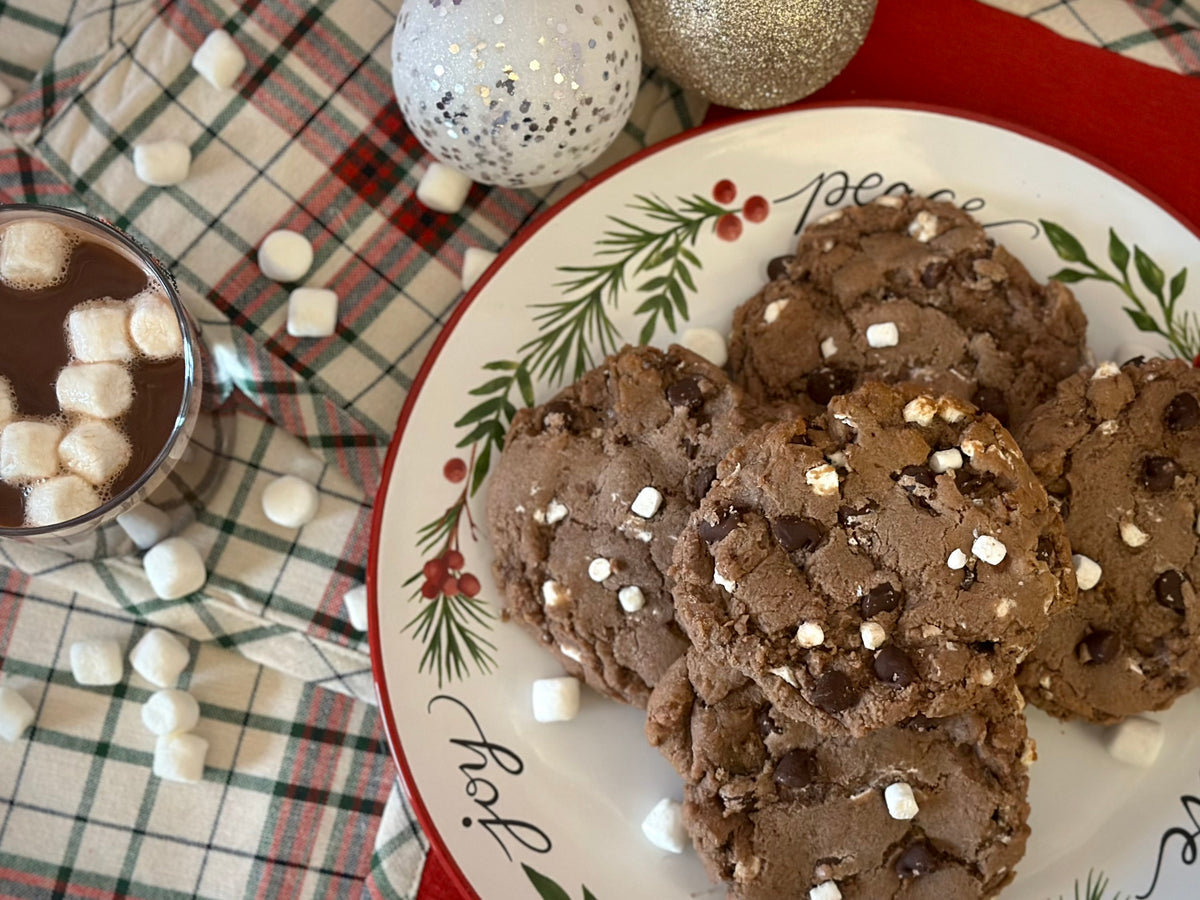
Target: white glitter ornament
{"x":516,"y":92}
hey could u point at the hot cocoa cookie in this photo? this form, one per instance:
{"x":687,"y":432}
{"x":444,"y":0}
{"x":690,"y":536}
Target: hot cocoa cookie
{"x":895,"y":556}
{"x":588,"y":498}
{"x":906,"y":289}
{"x":1120,"y":450}
{"x":927,"y":808}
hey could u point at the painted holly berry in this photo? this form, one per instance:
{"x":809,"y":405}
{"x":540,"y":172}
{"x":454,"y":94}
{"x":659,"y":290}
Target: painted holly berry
{"x":455,"y":470}
{"x":729,"y":226}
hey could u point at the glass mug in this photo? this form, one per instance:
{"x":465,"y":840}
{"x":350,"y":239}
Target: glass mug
{"x":150,"y":466}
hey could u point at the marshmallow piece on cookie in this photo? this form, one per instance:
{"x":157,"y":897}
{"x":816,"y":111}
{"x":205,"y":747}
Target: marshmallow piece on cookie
{"x":162,"y":163}
{"x":59,"y":499}
{"x":312,"y":312}
{"x":900,"y":801}
{"x":443,"y":189}
{"x":175,"y":569}
{"x":555,"y":699}
{"x":170,"y":710}
{"x":219,"y":60}
{"x":180,"y":757}
{"x":29,"y":451}
{"x":664,"y":828}
{"x":154,"y":327}
{"x":159,"y":657}
{"x":1136,"y":741}
{"x":101,"y":390}
{"x":16,"y":714}
{"x":285,"y":256}
{"x":95,"y":451}
{"x":826,"y":890}
{"x":1087,"y":571}
{"x":97,"y":331}
{"x":475,"y":262}
{"x":34,"y":254}
{"x":97,"y":662}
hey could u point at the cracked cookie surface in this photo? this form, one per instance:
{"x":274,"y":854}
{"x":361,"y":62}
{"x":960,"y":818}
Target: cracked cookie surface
{"x":894,"y":556}
{"x":1119,"y":449}
{"x":587,"y":500}
{"x":928,"y":808}
{"x":906,"y":289}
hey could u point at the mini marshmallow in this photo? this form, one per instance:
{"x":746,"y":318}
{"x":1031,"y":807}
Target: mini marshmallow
{"x":154,"y":326}
{"x":285,"y":256}
{"x":706,"y":342}
{"x":873,"y":635}
{"x":290,"y":501}
{"x":180,"y":757}
{"x":664,"y":828}
{"x":219,"y":60}
{"x":34,"y":254}
{"x":159,"y":657}
{"x":101,"y":390}
{"x":647,"y":502}
{"x":170,"y":710}
{"x":15,"y":714}
{"x":826,"y":890}
{"x":97,"y":662}
{"x":96,"y":331}
{"x":475,"y":262}
{"x":945,"y":460}
{"x":900,"y":801}
{"x":571,"y":653}
{"x":555,"y":594}
{"x":555,"y":512}
{"x":988,"y":549}
{"x":828,"y":348}
{"x":728,"y":583}
{"x":555,"y":699}
{"x":923,"y":226}
{"x":146,"y":525}
{"x":1106,"y":370}
{"x":8,"y":402}
{"x":95,"y":451}
{"x":631,"y":597}
{"x":1087,"y":571}
{"x":774,"y":309}
{"x":920,"y":411}
{"x":823,"y":480}
{"x":1136,"y":741}
{"x":28,"y":451}
{"x":1130,"y":533}
{"x":957,"y":559}
{"x":59,"y":500}
{"x":810,"y":634}
{"x":883,"y":334}
{"x":175,"y":569}
{"x":443,"y":189}
{"x":599,"y":569}
{"x":162,"y":163}
{"x":312,"y":312}
{"x":355,"y":602}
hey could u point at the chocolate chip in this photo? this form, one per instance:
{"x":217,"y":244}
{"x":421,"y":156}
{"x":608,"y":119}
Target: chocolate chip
{"x":1135,"y":361}
{"x":983,"y":646}
{"x":1099,"y":647}
{"x":918,"y":481}
{"x":728,"y":519}
{"x":882,"y":598}
{"x":686,"y":392}
{"x":825,"y":384}
{"x":800,"y":439}
{"x":969,"y":577}
{"x":1183,"y":412}
{"x":766,"y":724}
{"x":797,"y":770}
{"x":917,"y":860}
{"x":1045,"y":549}
{"x":798,"y":533}
{"x":933,"y":273}
{"x":690,"y":448}
{"x":922,"y":475}
{"x":1159,"y":473}
{"x":834,"y":692}
{"x":992,"y":400}
{"x":849,"y":515}
{"x":892,"y":666}
{"x":1168,"y":590}
{"x":777,"y":268}
{"x":699,"y":482}
{"x":979,"y":485}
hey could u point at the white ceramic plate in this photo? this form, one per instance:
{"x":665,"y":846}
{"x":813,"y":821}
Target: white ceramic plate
{"x":526,"y":810}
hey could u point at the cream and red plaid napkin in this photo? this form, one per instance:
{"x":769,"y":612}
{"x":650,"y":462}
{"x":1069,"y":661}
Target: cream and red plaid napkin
{"x":300,"y":796}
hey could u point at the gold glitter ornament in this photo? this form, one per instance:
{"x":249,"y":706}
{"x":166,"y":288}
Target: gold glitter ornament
{"x":752,"y":54}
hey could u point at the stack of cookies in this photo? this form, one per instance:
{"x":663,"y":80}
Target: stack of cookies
{"x":829,"y":574}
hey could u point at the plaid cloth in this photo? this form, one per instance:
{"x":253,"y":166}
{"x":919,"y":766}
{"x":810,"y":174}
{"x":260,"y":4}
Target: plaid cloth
{"x":299,"y":796}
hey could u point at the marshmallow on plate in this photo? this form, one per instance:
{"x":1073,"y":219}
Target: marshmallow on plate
{"x":154,"y":327}
{"x":29,"y":451}
{"x":159,"y":657}
{"x":170,"y":710}
{"x":175,"y":569}
{"x":102,"y":390}
{"x":95,"y":451}
{"x":555,"y":699}
{"x":290,"y":501}
{"x":180,"y":757}
{"x":1136,"y":741}
{"x":162,"y":163}
{"x":285,"y":255}
{"x":34,"y":254}
{"x":146,"y":525}
{"x":312,"y":312}
{"x":219,"y":60}
{"x":475,"y":263}
{"x":97,"y":331}
{"x":443,"y":189}
{"x":59,"y":499}
{"x":664,"y":827}
{"x":97,"y":662}
{"x":15,"y":714}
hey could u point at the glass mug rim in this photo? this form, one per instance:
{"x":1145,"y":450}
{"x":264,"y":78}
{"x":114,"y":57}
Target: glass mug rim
{"x":191,"y":382}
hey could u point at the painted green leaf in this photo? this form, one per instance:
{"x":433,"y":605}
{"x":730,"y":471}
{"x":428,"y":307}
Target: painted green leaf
{"x":547,"y":888}
{"x":588,"y":895}
{"x":646,"y":305}
{"x":490,"y":387}
{"x":686,"y":277}
{"x":1178,"y":283}
{"x":1144,"y":321}
{"x":1065,"y":244}
{"x":654,"y":283}
{"x":500,"y":365}
{"x":647,"y":331}
{"x":1070,"y":276}
{"x":525,"y":384}
{"x":1117,"y":251}
{"x":482,"y":462}
{"x":488,"y":428}
{"x":475,"y":413}
{"x":1148,"y":270}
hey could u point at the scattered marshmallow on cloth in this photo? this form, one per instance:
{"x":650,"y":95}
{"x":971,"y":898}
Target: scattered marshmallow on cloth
{"x":162,"y":163}
{"x":175,"y":569}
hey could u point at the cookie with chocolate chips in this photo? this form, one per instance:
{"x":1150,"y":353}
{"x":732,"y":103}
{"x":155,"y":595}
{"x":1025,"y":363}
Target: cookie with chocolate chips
{"x":927,"y":808}
{"x":894,"y":556}
{"x":586,"y":502}
{"x":906,"y":289}
{"x":1119,"y":449}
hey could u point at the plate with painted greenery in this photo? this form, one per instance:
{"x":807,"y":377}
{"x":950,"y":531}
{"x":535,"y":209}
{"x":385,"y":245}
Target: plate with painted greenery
{"x":677,"y":238}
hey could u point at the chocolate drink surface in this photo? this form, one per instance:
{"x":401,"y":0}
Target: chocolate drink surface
{"x":34,"y":348}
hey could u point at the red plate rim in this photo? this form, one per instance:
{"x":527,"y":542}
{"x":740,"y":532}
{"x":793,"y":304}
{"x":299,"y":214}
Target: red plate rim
{"x":437,"y":844}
